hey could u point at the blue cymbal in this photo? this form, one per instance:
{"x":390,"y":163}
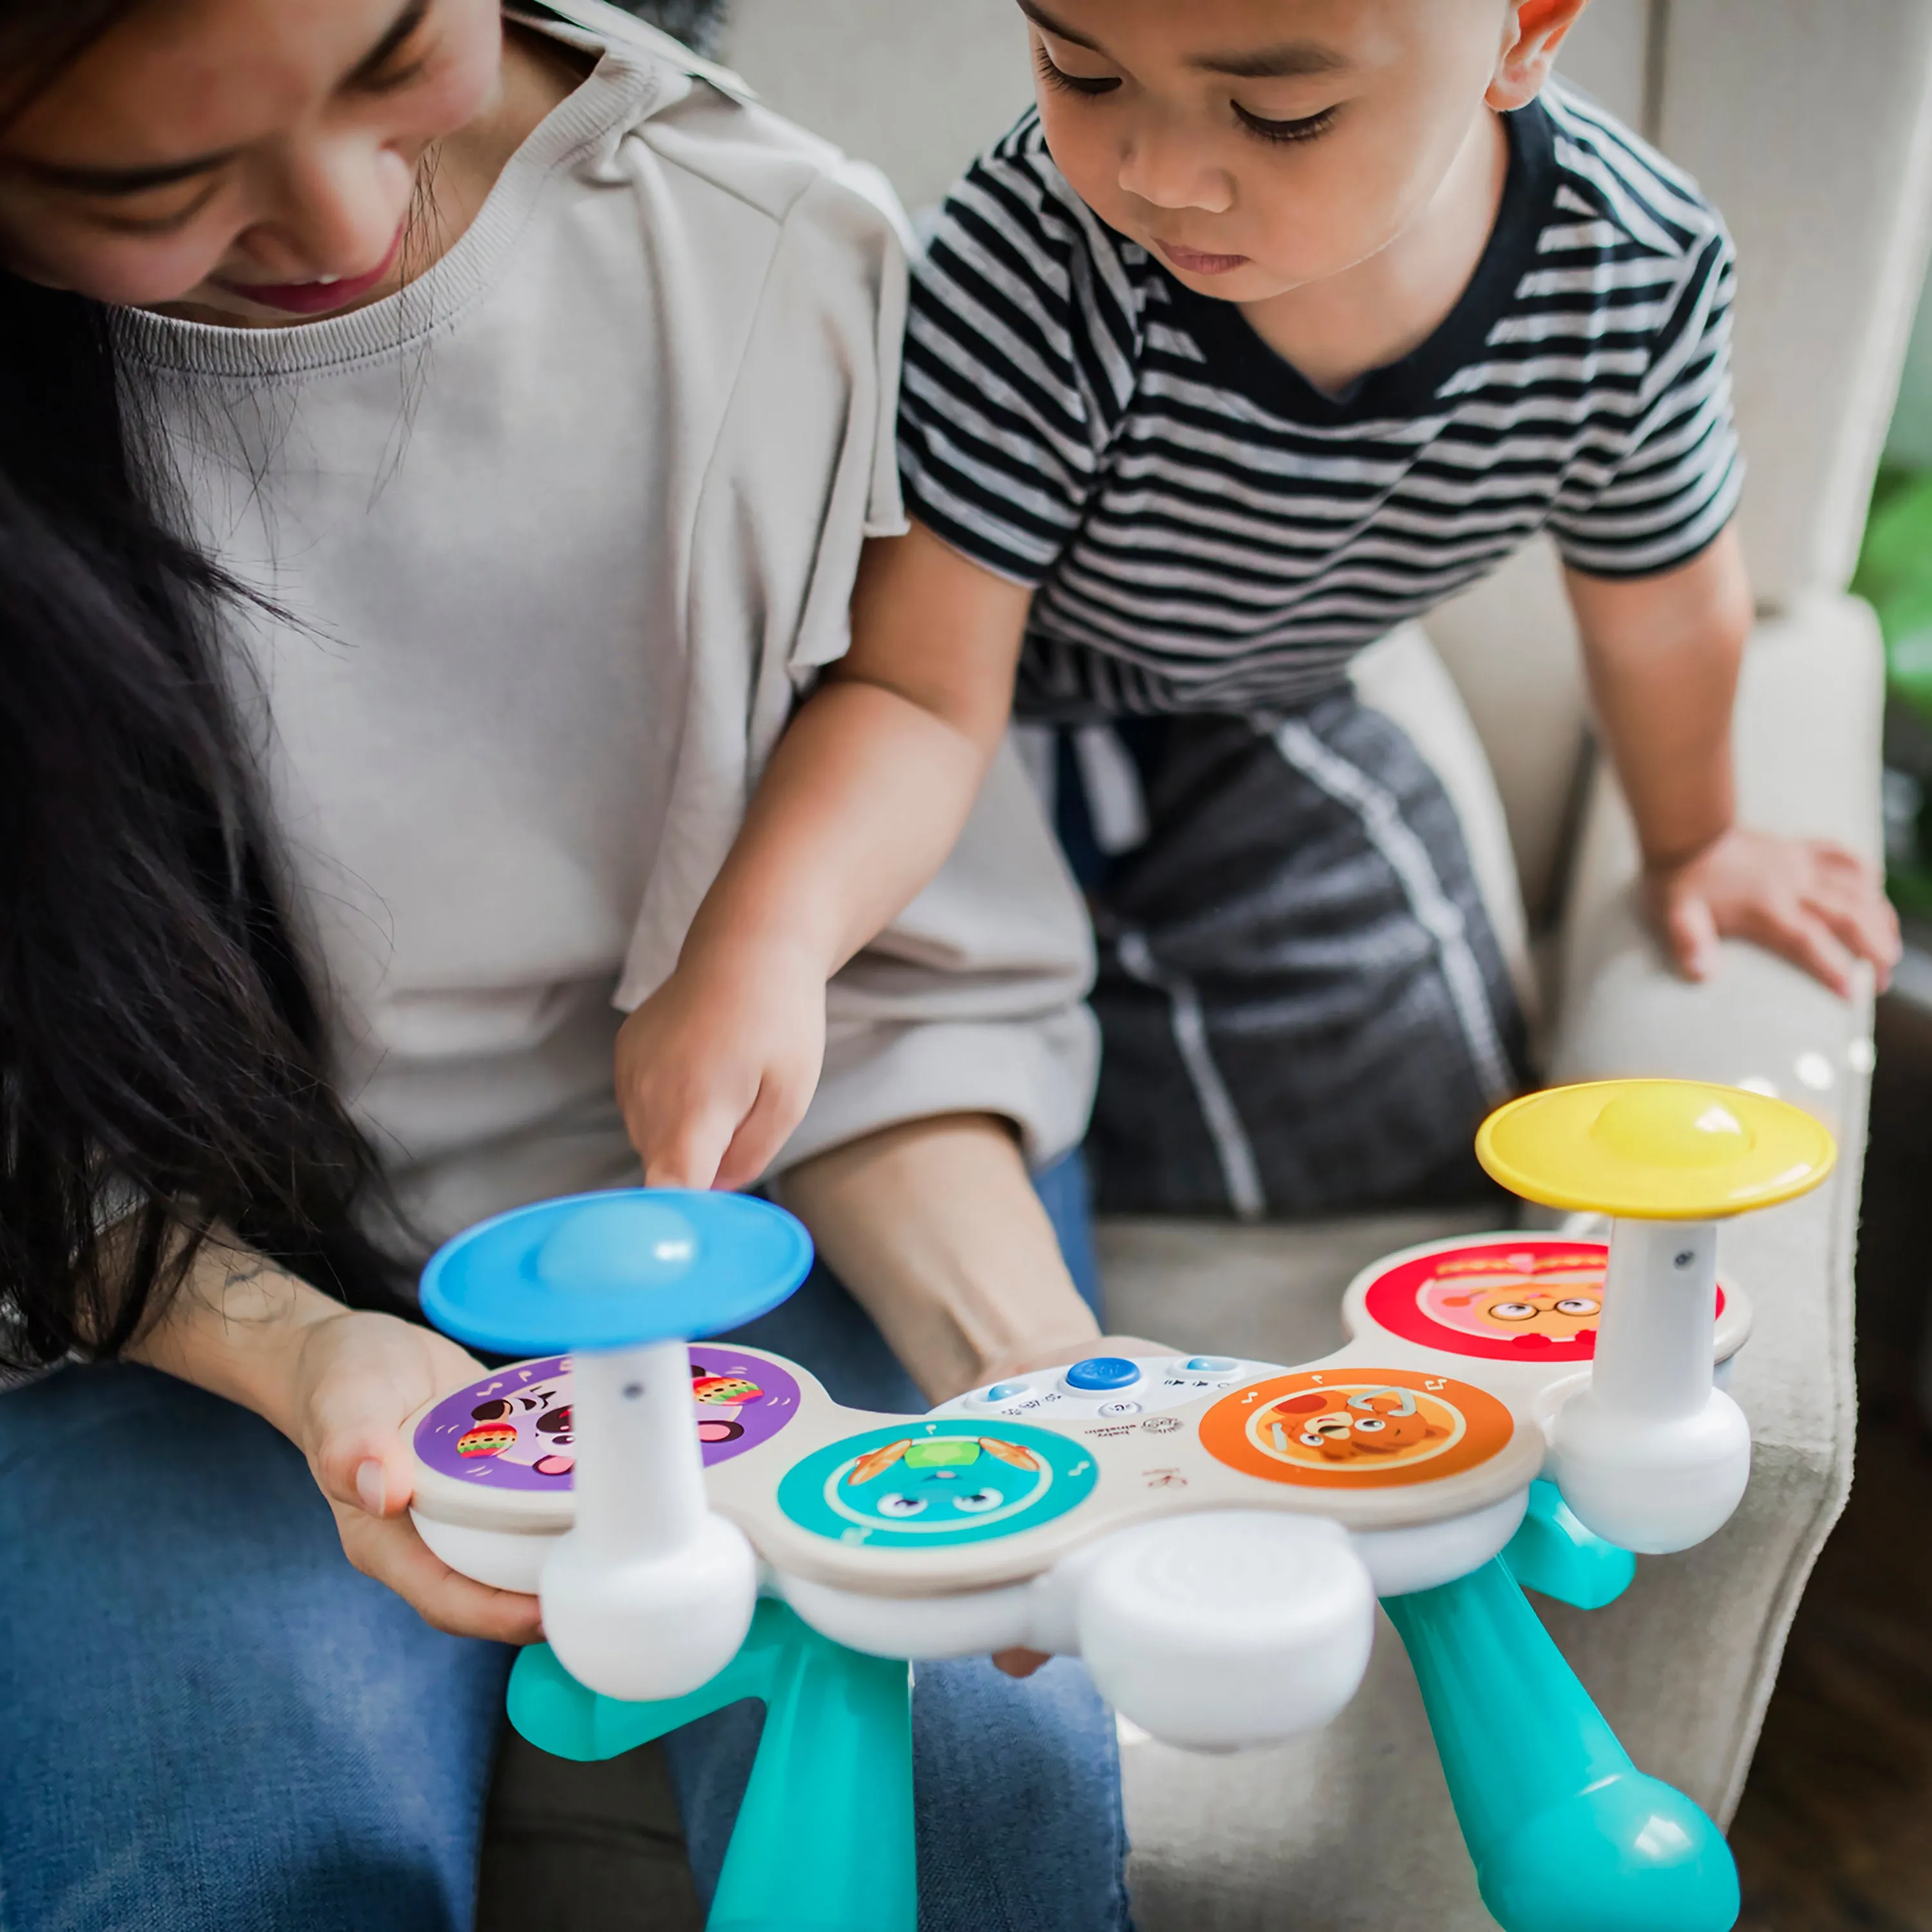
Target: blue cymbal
{"x":615,"y":1269}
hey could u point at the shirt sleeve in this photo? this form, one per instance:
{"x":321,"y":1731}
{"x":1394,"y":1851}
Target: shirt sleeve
{"x":1019,"y":356}
{"x":971,"y":1002}
{"x":1674,"y":483}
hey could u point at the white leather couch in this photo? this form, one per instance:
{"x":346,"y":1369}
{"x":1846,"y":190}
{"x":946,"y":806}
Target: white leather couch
{"x":1810,"y":125}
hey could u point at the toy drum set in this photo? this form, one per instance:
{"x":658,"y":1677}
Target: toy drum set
{"x":704,"y":1524}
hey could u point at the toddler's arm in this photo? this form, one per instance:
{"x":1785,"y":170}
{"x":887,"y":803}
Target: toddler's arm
{"x":863,"y":800}
{"x":1663,"y":653}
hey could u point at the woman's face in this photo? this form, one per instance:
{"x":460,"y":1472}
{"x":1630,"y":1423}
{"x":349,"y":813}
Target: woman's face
{"x":256,"y":158}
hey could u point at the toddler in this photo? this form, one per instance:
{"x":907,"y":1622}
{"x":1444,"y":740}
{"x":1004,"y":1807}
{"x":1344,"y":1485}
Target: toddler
{"x":1274,"y":323}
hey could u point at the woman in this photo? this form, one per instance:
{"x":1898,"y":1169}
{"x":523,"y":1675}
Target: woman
{"x":432,"y":457}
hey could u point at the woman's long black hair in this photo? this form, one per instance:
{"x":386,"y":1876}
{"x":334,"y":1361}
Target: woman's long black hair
{"x":161,"y":1065}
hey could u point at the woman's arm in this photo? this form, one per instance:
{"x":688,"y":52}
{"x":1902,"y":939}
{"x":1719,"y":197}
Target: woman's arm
{"x":863,"y":800}
{"x":936,"y":1229}
{"x":1663,"y":654}
{"x":339,"y":1383}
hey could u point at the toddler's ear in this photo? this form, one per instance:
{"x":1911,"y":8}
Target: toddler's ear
{"x":1532,"y":35}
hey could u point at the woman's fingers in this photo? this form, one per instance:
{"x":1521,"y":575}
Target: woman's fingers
{"x":1020,"y":1663}
{"x":358,"y":1403}
{"x":392,"y":1553}
{"x":366,"y":1374}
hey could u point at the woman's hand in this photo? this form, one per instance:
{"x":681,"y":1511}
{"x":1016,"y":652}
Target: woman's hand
{"x":1814,"y":904}
{"x":357,"y":1379}
{"x":717,"y":1067}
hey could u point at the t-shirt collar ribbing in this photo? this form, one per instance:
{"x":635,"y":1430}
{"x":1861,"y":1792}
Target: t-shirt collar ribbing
{"x":1241,"y":360}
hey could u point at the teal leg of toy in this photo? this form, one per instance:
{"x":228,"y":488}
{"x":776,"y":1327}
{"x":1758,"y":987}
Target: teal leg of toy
{"x":1567,"y":1835}
{"x":1554,"y":1553}
{"x":824,"y":1838}
{"x":823,"y":1841}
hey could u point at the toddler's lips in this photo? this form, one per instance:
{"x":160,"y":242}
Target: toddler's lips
{"x":1194,"y":261}
{"x":318,"y":298}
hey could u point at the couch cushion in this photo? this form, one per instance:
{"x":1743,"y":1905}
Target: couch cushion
{"x":1811,"y":127}
{"x":1269,"y":1293}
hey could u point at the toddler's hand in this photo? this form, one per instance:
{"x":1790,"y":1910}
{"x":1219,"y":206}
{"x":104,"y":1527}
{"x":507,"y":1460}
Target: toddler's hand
{"x":358,"y":1377}
{"x":1813,"y":903}
{"x":716,"y":1068}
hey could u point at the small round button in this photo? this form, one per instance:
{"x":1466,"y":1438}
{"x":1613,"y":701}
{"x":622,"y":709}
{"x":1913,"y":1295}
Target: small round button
{"x":1120,"y":1408}
{"x":1211,"y":1365}
{"x":1003,"y":1392}
{"x":1100,"y":1375}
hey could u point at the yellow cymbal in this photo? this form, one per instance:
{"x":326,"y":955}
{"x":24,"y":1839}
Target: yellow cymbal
{"x":1655,"y":1150}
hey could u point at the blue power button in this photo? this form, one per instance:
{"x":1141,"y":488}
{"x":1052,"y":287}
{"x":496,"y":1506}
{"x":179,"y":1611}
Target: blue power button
{"x":1103,"y":1374}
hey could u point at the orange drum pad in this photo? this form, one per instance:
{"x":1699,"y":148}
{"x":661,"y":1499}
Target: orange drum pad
{"x":1353,"y":1428}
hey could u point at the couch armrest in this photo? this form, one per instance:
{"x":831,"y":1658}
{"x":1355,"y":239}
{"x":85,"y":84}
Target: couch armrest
{"x":1808,"y":755}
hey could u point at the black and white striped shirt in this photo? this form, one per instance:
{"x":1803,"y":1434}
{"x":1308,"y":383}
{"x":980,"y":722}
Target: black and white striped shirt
{"x":1207,"y":531}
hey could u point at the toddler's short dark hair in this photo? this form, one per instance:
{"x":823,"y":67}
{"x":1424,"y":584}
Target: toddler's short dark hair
{"x":699,"y":24}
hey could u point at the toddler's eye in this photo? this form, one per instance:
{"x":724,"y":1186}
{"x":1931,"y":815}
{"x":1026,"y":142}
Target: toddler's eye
{"x":1576,"y":1304}
{"x":1513,"y":1311}
{"x":896,"y":1504}
{"x":1304,"y":129}
{"x":978,"y":1501}
{"x":1056,"y":76}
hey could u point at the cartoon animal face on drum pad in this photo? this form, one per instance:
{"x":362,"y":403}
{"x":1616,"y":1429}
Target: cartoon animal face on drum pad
{"x":931,"y":1485}
{"x":1385,"y":1423}
{"x":1356,"y":1428}
{"x":513,"y":1429}
{"x":1529,"y":1301}
{"x":528,"y":1427}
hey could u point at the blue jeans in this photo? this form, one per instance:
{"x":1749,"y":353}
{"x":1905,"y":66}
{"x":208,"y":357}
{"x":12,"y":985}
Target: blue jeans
{"x":210,"y":1723}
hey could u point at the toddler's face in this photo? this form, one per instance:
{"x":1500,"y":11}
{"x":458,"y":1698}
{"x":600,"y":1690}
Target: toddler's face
{"x":1255,"y":146}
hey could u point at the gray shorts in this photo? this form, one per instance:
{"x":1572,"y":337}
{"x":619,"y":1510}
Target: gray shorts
{"x":1304,"y":1005}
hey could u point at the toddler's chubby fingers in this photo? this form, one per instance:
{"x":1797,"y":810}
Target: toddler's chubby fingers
{"x":684,"y":1150}
{"x":1798,"y":933}
{"x":1850,"y":899}
{"x":1690,"y":932}
{"x":1867,"y":931}
{"x":1840,"y":859}
{"x":781,"y":1105}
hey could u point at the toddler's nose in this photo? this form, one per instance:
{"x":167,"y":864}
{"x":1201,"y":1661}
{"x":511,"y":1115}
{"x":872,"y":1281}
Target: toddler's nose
{"x":1165,"y":167}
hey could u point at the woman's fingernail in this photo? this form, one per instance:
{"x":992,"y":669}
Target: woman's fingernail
{"x":371,"y":1487}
